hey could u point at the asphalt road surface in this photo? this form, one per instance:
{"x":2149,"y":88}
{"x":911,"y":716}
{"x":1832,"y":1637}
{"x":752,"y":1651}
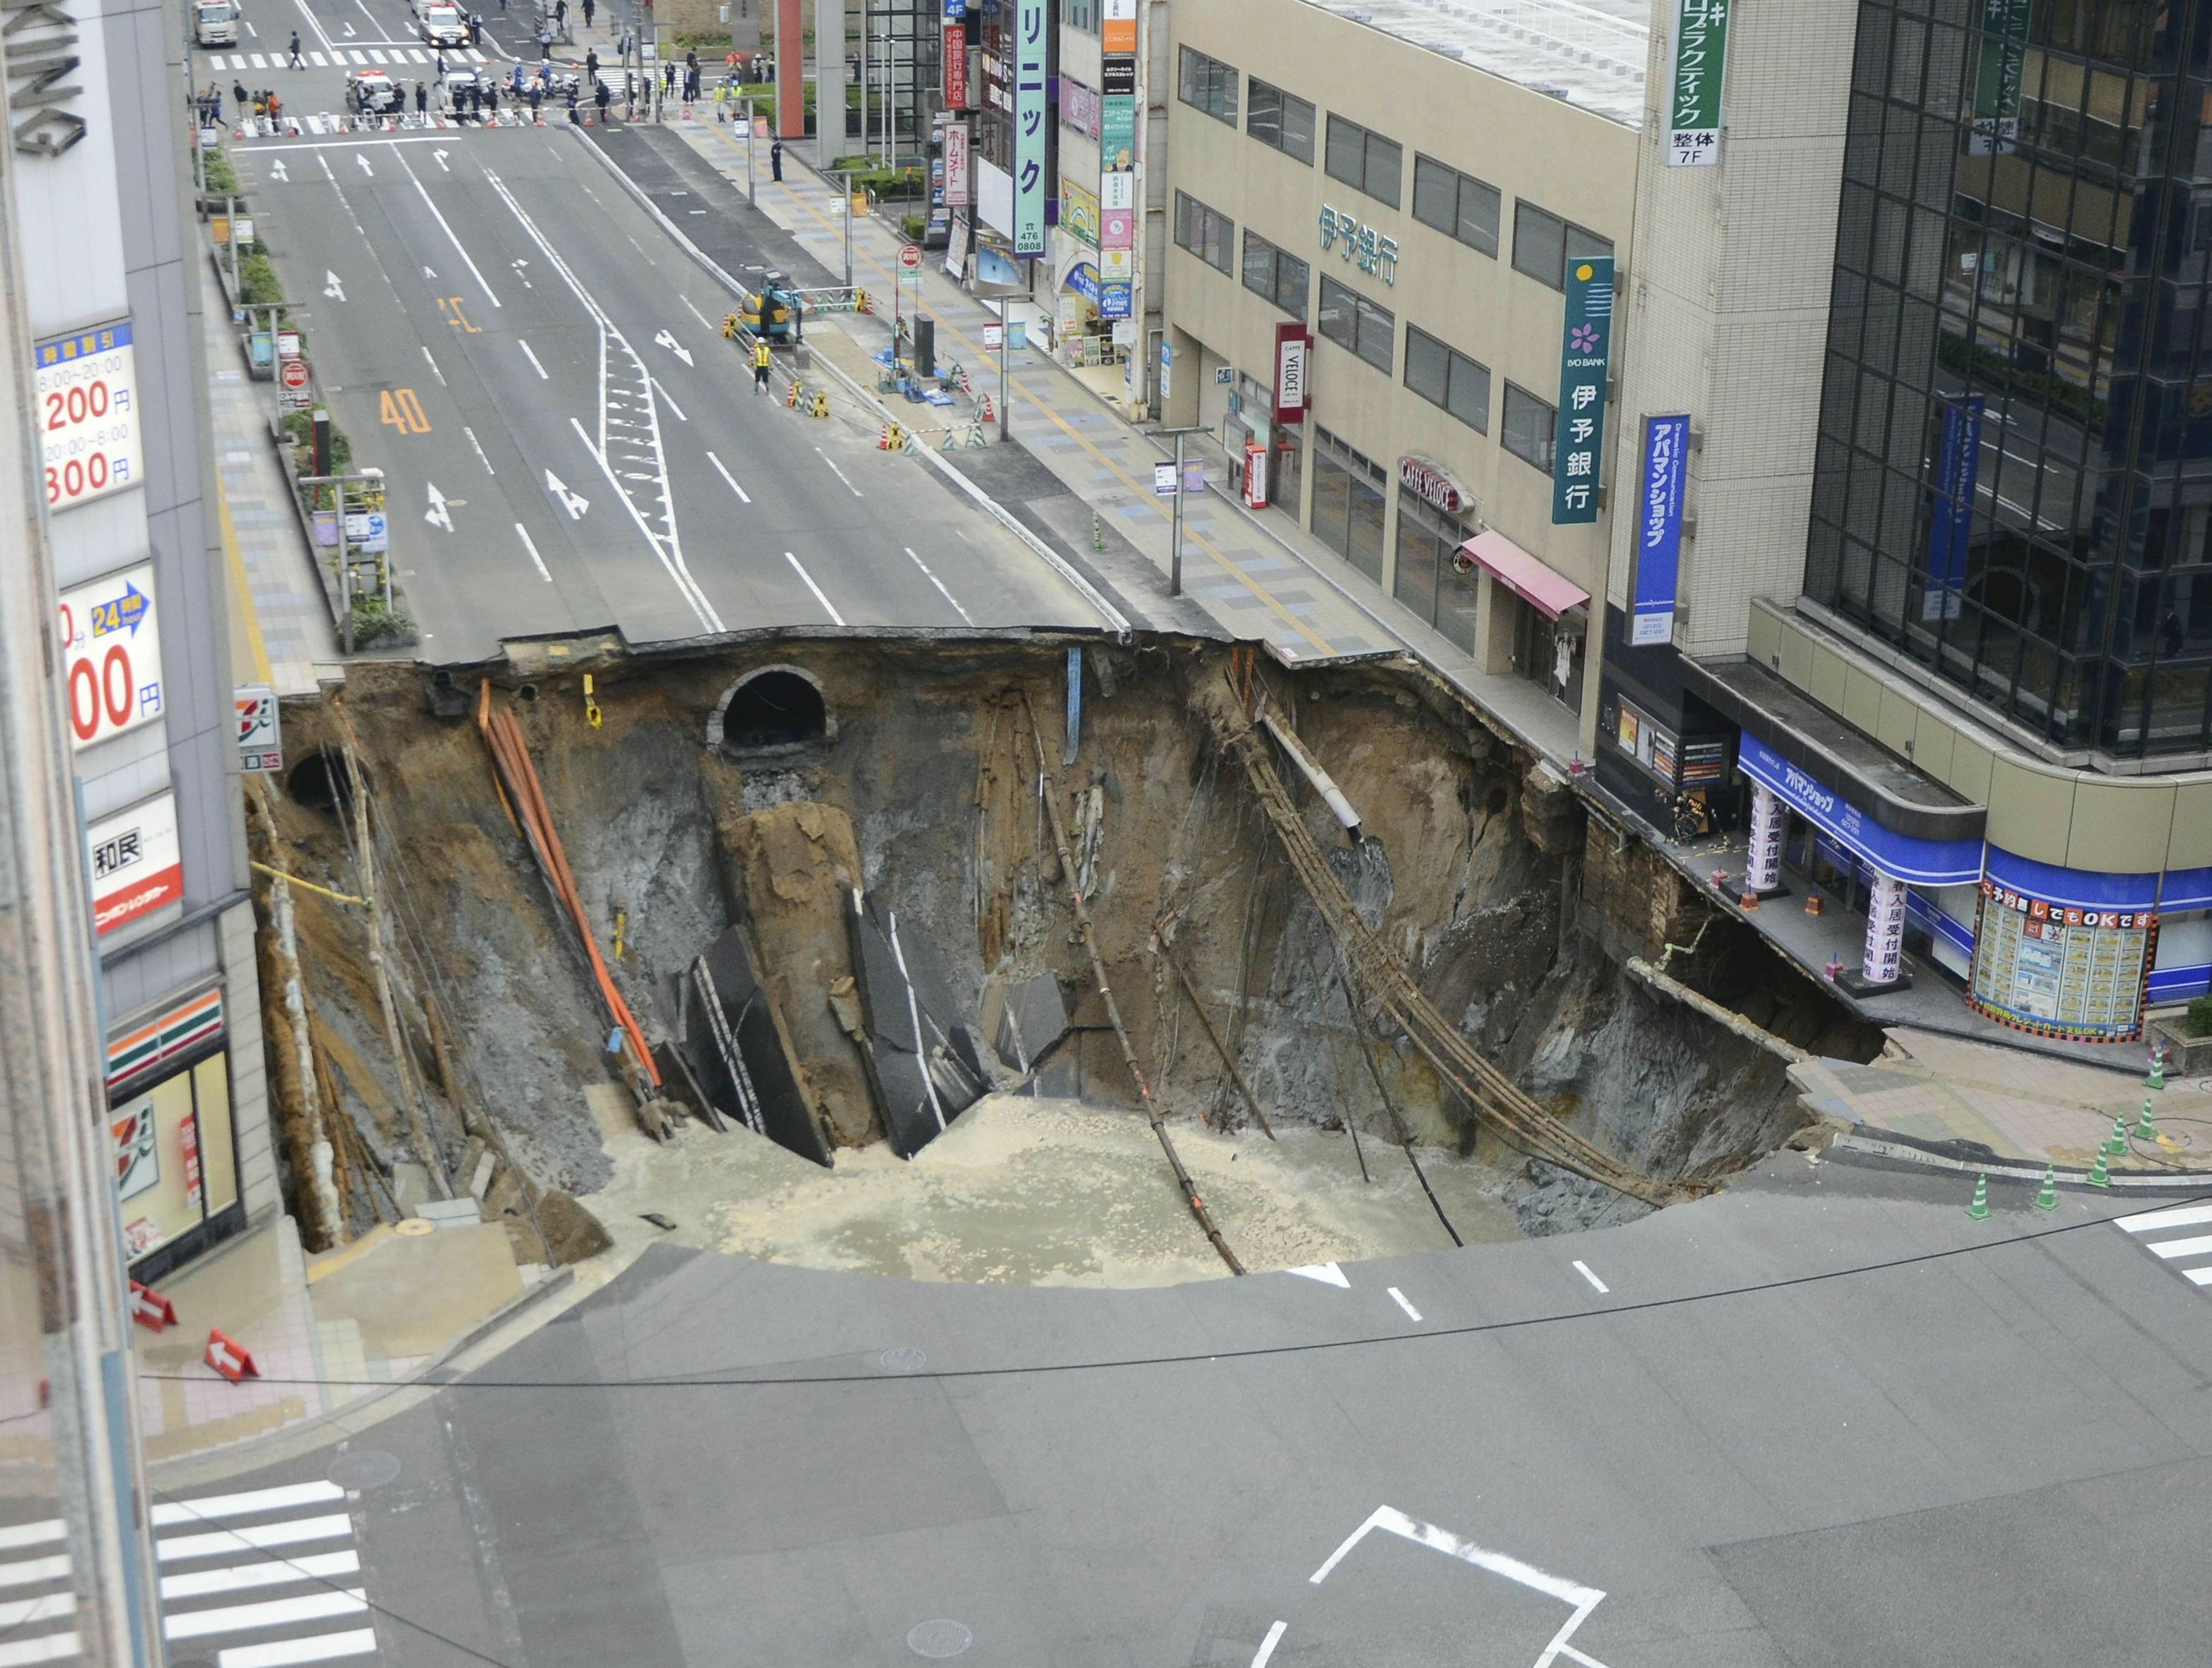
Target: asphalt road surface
{"x":567,"y":441}
{"x":1693,"y":1442}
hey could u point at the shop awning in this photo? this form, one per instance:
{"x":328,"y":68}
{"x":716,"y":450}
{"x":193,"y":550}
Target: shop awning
{"x":1545,"y":589}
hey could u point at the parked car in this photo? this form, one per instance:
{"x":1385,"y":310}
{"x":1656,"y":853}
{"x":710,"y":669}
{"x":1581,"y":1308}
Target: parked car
{"x":444,"y":24}
{"x":372,"y":93}
{"x":214,"y":23}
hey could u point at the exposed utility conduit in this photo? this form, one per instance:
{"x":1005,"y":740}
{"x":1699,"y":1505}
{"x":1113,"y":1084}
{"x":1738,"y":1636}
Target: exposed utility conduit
{"x":1049,"y":789}
{"x":1669,"y":985}
{"x":510,"y":754}
{"x":1228,"y":1060}
{"x":326,"y":1221}
{"x":1324,"y":784}
{"x":1511,"y":1111}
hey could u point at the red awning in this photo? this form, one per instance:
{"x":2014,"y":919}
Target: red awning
{"x":1542,"y":587}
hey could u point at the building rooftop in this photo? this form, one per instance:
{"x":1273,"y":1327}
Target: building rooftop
{"x":1590,"y":53}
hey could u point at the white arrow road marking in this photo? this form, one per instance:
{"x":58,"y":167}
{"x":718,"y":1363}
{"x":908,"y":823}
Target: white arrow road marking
{"x":668,"y":339}
{"x":332,"y":287}
{"x":276,"y":170}
{"x":438,"y":515}
{"x":536,"y":560}
{"x":570,"y":501}
{"x":428,"y":273}
{"x":362,"y":157}
{"x":1328,"y":1273}
{"x":439,"y":156}
{"x":349,"y":32}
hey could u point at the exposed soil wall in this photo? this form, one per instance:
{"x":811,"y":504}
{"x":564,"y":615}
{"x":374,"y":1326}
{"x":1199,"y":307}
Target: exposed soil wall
{"x":1472,"y":867}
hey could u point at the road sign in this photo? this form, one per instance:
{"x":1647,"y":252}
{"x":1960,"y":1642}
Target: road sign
{"x":260,"y":737}
{"x":1164,"y":480}
{"x":992,"y":335}
{"x":295,"y":372}
{"x":288,"y":344}
{"x":910,"y":256}
{"x":294,"y":394}
{"x":366,"y":530}
{"x":112,"y":643}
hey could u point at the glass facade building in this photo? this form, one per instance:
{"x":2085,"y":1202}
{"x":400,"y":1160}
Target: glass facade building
{"x":2013,"y":477}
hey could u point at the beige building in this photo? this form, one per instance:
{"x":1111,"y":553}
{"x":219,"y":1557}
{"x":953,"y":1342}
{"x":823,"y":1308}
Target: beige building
{"x":1411,"y":186}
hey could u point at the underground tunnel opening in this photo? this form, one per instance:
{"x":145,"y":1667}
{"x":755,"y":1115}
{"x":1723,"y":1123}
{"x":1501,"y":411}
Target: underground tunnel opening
{"x":318,"y":782}
{"x":777,"y":709}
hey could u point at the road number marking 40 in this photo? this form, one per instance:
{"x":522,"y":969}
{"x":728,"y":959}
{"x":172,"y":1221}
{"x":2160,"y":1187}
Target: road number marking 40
{"x":400,"y":410}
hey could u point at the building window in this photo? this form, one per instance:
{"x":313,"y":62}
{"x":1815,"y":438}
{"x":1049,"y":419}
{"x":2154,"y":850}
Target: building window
{"x":1357,"y":324}
{"x":1348,"y":503}
{"x":1283,"y":278}
{"x":1543,"y":244}
{"x":1426,"y":581}
{"x":1444,"y":376}
{"x":1531,"y":424}
{"x":1206,"y":233}
{"x":1208,"y":84}
{"x":1080,"y":13}
{"x":1277,"y":118}
{"x":1365,"y":160}
{"x":1457,"y":205}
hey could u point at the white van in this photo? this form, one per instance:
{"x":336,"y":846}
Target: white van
{"x":214,"y":22}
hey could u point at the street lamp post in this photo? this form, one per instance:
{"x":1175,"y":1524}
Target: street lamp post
{"x":1175,"y":517}
{"x":846,"y":176}
{"x":751,"y":196}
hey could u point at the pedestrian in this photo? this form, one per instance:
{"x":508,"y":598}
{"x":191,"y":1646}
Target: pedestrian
{"x":574,"y":120}
{"x":561,"y":13}
{"x":422,"y":102}
{"x":297,"y":62}
{"x":602,"y":98}
{"x":445,"y":101}
{"x":442,"y":66}
{"x":502,"y":8}
{"x":491,"y":103}
{"x":476,"y":28}
{"x":536,"y":101}
{"x":760,"y":364}
{"x":590,"y":6}
{"x":544,"y":42}
{"x":776,"y":161}
{"x":245,"y":98}
{"x":592,"y":63}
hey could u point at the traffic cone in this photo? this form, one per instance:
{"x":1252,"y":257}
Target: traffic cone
{"x":2099,"y":1175}
{"x":2157,"y":1078}
{"x":2046,"y":1196}
{"x":230,"y":1358}
{"x":791,"y":399}
{"x":2145,"y":1129}
{"x":1979,"y":1210}
{"x":2116,"y":1144}
{"x":988,"y":414}
{"x":150,"y":1309}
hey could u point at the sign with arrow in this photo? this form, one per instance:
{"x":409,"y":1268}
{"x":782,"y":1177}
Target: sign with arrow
{"x":668,"y":339}
{"x":439,"y":157}
{"x":438,"y":515}
{"x":362,"y":157}
{"x":111,"y":644}
{"x":276,"y":170}
{"x":573,"y":502}
{"x":332,"y":287}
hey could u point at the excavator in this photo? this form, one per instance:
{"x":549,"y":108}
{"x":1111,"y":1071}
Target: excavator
{"x":774,"y":312}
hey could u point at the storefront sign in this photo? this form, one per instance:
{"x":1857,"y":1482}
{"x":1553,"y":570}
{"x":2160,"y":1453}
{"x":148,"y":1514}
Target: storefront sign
{"x":1029,"y":222}
{"x":956,"y":66}
{"x":1762,"y":857}
{"x":1585,"y":349}
{"x":88,"y":414}
{"x":1079,"y":107}
{"x":1117,"y":27}
{"x":39,"y":53}
{"x":1998,"y":77}
{"x":1117,"y":133}
{"x":181,"y":1029}
{"x":111,"y":648}
{"x":136,"y":867}
{"x":1116,"y":298}
{"x":1920,"y":863}
{"x":956,"y":165}
{"x":1433,"y":484}
{"x":2059,"y":971}
{"x":1343,"y":234}
{"x":956,"y":12}
{"x":1659,"y":539}
{"x":1117,"y":229}
{"x":1083,"y":279}
{"x":1694,"y":108}
{"x":1080,"y":213}
{"x":1293,"y":349}
{"x":1951,"y":527}
{"x":260,"y":739}
{"x":1117,"y":189}
{"x":1167,"y":367}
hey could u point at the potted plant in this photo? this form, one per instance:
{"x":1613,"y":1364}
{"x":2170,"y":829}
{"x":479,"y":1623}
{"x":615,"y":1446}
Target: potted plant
{"x":2188,"y":1036}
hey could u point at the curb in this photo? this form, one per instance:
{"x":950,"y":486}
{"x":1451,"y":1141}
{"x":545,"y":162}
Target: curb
{"x":1887,"y":1144}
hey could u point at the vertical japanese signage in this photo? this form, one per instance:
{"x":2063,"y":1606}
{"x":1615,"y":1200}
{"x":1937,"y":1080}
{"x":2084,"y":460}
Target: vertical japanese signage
{"x":1117,"y":27}
{"x":956,"y":165}
{"x":956,"y":66}
{"x":1029,"y":127}
{"x":88,"y":416}
{"x":1117,"y":178}
{"x":1659,"y":535}
{"x":1998,"y":76}
{"x":1292,"y":347}
{"x":1585,"y":347}
{"x":112,"y":647}
{"x":1884,"y":934}
{"x":1693,"y":102}
{"x":1951,"y":526}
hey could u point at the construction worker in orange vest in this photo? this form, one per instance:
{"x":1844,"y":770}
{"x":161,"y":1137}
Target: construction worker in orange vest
{"x":760,"y":365}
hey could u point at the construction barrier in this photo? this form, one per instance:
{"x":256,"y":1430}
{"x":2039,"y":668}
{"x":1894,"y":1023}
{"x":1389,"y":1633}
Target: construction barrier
{"x":150,"y":1309}
{"x":229,"y":1357}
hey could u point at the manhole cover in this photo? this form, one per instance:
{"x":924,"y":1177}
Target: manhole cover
{"x":940,"y":1638}
{"x":907,"y":1359}
{"x":364,"y":1468}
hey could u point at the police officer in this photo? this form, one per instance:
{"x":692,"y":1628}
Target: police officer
{"x":760,"y":363}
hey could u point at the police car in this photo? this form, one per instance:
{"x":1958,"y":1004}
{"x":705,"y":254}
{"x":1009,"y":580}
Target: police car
{"x":444,"y":24}
{"x":372,"y":93}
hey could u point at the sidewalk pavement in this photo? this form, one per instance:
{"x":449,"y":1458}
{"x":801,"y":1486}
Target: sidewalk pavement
{"x":281,"y":632}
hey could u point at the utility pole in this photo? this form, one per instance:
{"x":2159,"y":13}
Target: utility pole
{"x":1174,"y":513}
{"x":846,"y":176}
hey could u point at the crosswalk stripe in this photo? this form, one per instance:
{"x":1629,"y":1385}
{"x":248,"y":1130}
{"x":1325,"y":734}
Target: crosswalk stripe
{"x":47,"y":1607}
{"x":31,"y":1534}
{"x":476,"y":57}
{"x":358,"y":58}
{"x":318,"y":60}
{"x":50,"y":1647}
{"x":418,"y":55}
{"x":2170,"y":1249}
{"x":375,"y":56}
{"x":256,"y":60}
{"x":277,"y":1613}
{"x":259,"y":1537}
{"x":284,"y":1653}
{"x":238,"y":1505}
{"x":25,"y":1571}
{"x":272,"y":1573}
{"x":2188,"y":1216}
{"x":2199,"y":1276}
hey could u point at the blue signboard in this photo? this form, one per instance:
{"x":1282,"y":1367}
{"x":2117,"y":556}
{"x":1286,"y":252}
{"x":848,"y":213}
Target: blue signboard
{"x":1915,"y":861}
{"x":1029,"y":194}
{"x":956,"y":12}
{"x":1951,"y":526}
{"x":1659,"y":535}
{"x":1585,"y":349}
{"x":1114,"y":301}
{"x":1083,"y":279}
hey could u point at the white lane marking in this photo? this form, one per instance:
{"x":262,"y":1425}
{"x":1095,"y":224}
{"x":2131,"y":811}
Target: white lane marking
{"x":940,"y":583}
{"x":672,"y":404}
{"x":835,"y":617}
{"x":333,"y":286}
{"x":1328,"y":1273}
{"x":668,"y":339}
{"x":25,"y":1571}
{"x":375,"y":56}
{"x":532,"y":358}
{"x":2199,"y":1276}
{"x":284,"y":1653}
{"x":49,"y":1647}
{"x":458,"y":248}
{"x":435,"y":371}
{"x":439,"y":158}
{"x":258,"y":1538}
{"x":274,"y":1572}
{"x":32,"y":1534}
{"x":574,"y":503}
{"x":275,"y":1613}
{"x":536,"y":560}
{"x":696,"y":313}
{"x":1584,"y":1269}
{"x":283,"y":1497}
{"x":1268,"y":1645}
{"x":2188,"y":1216}
{"x":358,"y":58}
{"x":1399,"y":1298}
{"x":2173,"y":1248}
{"x":481,"y":458}
{"x":47,"y":1607}
{"x":438,"y":515}
{"x":743,"y":497}
{"x":838,"y":473}
{"x":362,"y":157}
{"x":318,"y":60}
{"x":256,"y":60}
